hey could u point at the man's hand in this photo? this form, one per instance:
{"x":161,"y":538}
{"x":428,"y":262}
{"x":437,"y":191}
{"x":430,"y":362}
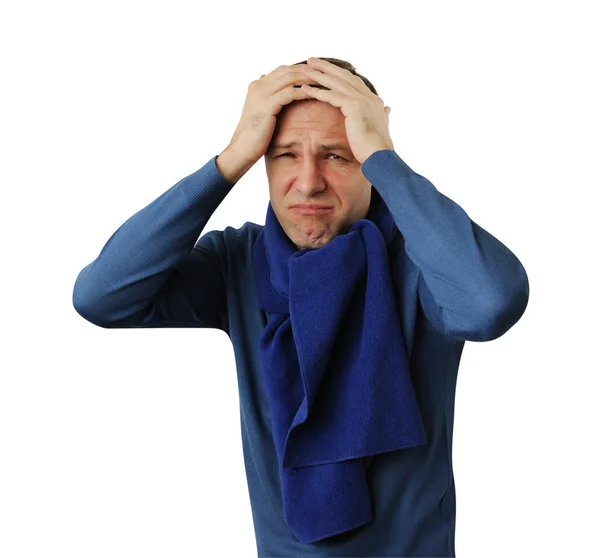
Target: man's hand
{"x":265,"y":98}
{"x":367,"y":119}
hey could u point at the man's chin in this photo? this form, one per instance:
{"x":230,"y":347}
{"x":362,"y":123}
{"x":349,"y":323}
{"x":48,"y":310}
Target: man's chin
{"x":314,"y":244}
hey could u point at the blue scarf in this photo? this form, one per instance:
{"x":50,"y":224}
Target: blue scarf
{"x":334,"y":367}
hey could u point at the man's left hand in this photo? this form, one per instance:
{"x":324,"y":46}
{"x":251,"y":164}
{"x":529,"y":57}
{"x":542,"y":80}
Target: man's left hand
{"x":367,"y":118}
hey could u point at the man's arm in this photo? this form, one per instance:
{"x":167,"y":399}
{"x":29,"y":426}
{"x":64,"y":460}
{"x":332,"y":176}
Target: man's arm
{"x":152,"y":273}
{"x":471,"y":285}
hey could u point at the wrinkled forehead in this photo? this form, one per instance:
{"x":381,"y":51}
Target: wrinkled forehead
{"x":308,"y":109}
{"x":300,"y":117}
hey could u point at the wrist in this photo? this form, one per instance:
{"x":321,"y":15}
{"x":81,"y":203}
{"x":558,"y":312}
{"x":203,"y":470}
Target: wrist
{"x":231,"y":165}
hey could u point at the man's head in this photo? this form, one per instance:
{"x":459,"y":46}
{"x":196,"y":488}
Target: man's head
{"x":319,"y":168}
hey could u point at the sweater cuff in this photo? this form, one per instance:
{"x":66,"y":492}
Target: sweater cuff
{"x":206,"y":185}
{"x":384,"y":166}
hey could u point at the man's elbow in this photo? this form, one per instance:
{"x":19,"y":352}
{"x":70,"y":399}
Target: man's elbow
{"x":89,"y":317}
{"x":504,"y":312}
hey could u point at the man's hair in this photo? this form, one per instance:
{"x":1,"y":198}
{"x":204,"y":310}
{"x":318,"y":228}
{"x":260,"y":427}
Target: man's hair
{"x":346,"y":66}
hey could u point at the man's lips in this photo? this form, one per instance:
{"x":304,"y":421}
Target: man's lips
{"x":310,"y":206}
{"x":311,"y":209}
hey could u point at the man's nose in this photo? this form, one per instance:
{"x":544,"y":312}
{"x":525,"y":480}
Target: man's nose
{"x":310,"y":179}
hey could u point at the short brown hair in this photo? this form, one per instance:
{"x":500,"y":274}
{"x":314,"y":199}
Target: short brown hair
{"x":346,"y":66}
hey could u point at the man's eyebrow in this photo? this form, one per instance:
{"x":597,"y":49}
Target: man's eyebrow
{"x":322,"y":147}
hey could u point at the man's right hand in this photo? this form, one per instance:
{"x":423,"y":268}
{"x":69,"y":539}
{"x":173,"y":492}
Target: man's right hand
{"x":265,"y":99}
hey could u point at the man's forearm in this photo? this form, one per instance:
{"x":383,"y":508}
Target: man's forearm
{"x":479,"y":288}
{"x":138,"y":259}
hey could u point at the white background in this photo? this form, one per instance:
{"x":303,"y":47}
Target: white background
{"x":127,"y":443}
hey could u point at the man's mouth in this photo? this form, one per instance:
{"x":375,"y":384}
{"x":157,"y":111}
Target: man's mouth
{"x":311,"y":209}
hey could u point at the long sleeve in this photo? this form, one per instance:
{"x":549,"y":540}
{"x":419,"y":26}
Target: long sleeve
{"x":471,"y":286}
{"x":152,"y":273}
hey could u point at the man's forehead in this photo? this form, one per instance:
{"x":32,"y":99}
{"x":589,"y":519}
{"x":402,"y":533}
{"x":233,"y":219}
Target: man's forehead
{"x":293,"y":125}
{"x":310,"y":111}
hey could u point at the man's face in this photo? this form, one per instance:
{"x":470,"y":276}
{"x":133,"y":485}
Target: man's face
{"x":308,"y":174}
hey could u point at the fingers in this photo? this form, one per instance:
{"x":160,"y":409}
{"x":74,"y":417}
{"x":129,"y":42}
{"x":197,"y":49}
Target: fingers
{"x":295,"y":77}
{"x":283,"y":86}
{"x":284,"y":76}
{"x":290,"y":94}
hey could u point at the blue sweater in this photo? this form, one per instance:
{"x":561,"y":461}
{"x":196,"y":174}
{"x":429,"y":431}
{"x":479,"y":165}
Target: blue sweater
{"x":454,"y":282}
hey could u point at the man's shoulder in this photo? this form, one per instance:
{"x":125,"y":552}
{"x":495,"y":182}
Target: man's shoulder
{"x":230,"y":239}
{"x":241,"y":238}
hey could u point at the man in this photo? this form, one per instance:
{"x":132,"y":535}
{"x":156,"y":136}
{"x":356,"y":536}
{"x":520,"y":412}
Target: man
{"x":348,"y":312}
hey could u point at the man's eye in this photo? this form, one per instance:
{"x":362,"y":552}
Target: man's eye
{"x":335,"y":154}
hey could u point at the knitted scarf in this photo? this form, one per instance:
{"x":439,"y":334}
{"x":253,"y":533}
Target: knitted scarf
{"x":334,"y":368}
